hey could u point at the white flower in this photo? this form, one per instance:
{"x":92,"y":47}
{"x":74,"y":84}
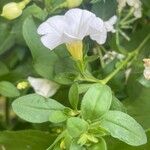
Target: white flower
{"x":135,"y":4}
{"x":147,"y":68}
{"x":111,"y":55}
{"x":72,"y":28}
{"x":43,"y":87}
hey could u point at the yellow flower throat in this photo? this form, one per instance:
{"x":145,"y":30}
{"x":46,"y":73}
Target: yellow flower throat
{"x":76,"y":49}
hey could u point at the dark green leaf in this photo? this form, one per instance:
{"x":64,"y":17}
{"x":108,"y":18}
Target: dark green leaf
{"x":27,"y":139}
{"x":106,"y":9}
{"x":8,"y":89}
{"x":44,"y":60}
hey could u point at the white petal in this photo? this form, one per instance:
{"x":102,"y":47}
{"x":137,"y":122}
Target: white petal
{"x":52,"y":31}
{"x":100,"y":37}
{"x":98,"y":31}
{"x":43,"y":87}
{"x":138,"y":13}
{"x":109,"y":24}
{"x":78,"y":22}
{"x":51,"y":41}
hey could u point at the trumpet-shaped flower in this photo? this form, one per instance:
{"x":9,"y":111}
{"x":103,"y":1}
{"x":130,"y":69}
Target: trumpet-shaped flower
{"x":72,"y":28}
{"x":43,"y":87}
{"x":147,"y":68}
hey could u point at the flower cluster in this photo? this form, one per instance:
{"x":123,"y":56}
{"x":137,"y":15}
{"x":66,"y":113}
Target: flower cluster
{"x":135,"y":4}
{"x":72,"y":28}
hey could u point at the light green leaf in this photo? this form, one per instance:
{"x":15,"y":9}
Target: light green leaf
{"x":96,"y":101}
{"x":101,"y":145}
{"x":57,"y":117}
{"x":74,"y":95}
{"x":8,"y":89}
{"x":123,"y":127}
{"x":75,"y":146}
{"x":114,"y":144}
{"x":27,"y":139}
{"x":65,"y":78}
{"x":35,"y":108}
{"x":76,"y":126}
{"x":117,"y":105}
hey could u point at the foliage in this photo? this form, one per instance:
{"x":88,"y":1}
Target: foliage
{"x":103,"y":98}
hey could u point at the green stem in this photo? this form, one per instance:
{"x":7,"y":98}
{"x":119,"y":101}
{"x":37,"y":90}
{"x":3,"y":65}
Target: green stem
{"x":124,"y":63}
{"x":101,"y":57}
{"x":7,"y":112}
{"x":143,"y":43}
{"x":131,"y":56}
{"x":127,"y":16}
{"x":129,"y":21}
{"x":120,"y":49}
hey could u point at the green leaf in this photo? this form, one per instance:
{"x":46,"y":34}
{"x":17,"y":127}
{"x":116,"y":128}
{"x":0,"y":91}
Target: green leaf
{"x":123,"y":127}
{"x":35,"y":108}
{"x":96,"y":101}
{"x":101,"y":145}
{"x":106,"y":9}
{"x":74,"y":95}
{"x":144,"y":82}
{"x":114,"y":144}
{"x":138,"y":101}
{"x":3,"y":69}
{"x":27,"y":139}
{"x":44,"y":60}
{"x":57,"y":117}
{"x":7,"y":43}
{"x":65,"y":78}
{"x":8,"y":89}
{"x":117,"y":105}
{"x":75,"y":146}
{"x":76,"y":126}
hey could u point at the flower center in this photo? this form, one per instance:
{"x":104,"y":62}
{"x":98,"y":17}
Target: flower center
{"x":76,"y":49}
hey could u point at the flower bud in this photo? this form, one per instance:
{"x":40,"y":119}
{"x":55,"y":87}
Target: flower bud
{"x":22,"y":85}
{"x":13,"y":10}
{"x":73,"y":3}
{"x":147,"y":68}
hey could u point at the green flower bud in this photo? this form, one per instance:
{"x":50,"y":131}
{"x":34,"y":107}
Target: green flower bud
{"x":73,"y":3}
{"x":13,"y":10}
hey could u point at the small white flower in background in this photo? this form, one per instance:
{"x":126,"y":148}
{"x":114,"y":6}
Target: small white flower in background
{"x":111,"y":55}
{"x":43,"y":87}
{"x":71,"y":28}
{"x":135,"y":4}
{"x":147,"y":68}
